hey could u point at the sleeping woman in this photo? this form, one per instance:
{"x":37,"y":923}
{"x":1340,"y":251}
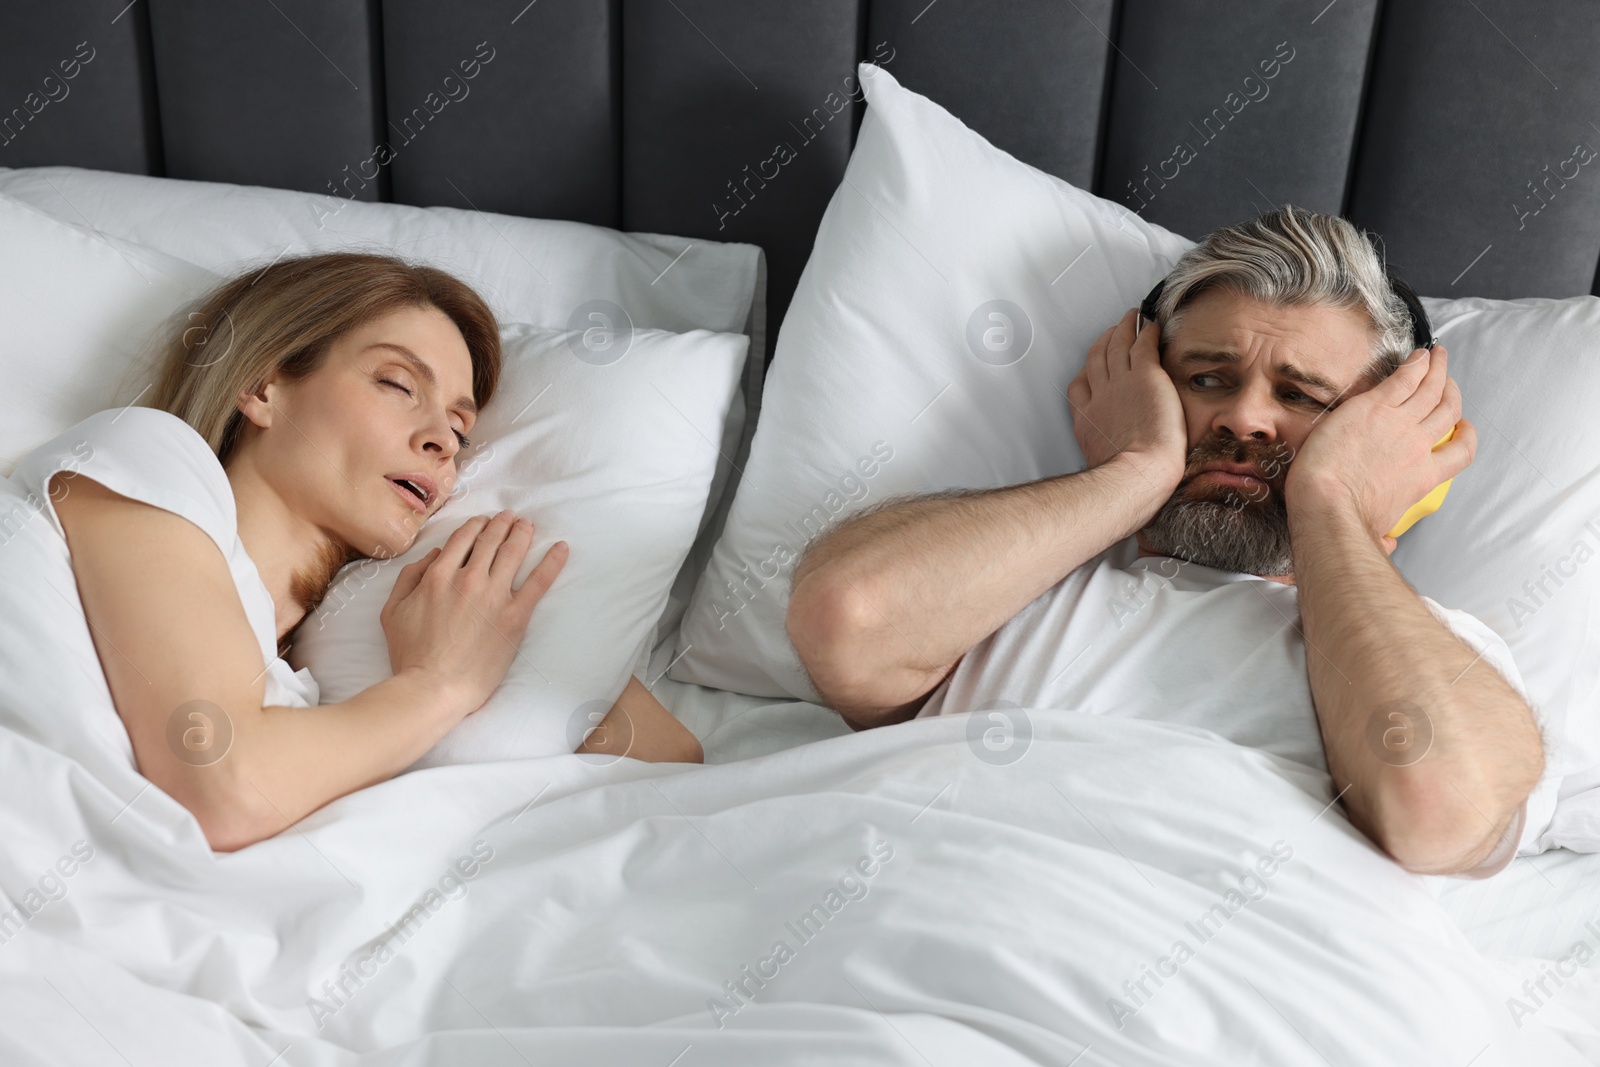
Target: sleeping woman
{"x":308,"y":415}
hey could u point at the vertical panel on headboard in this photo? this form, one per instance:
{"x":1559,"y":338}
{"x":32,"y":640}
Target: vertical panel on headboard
{"x":736,"y":123}
{"x":75,"y":88}
{"x":512,"y":107}
{"x":1027,"y":74}
{"x":1218,"y":114}
{"x":284,"y":94}
{"x":1478,"y":157}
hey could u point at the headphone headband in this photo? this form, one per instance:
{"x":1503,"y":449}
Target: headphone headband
{"x":1421,"y":328}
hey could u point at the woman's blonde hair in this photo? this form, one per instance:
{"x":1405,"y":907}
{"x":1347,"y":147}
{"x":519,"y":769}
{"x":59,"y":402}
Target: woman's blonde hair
{"x":286,"y":318}
{"x":1291,"y":257}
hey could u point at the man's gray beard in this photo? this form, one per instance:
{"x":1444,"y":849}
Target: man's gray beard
{"x":1225,"y":530}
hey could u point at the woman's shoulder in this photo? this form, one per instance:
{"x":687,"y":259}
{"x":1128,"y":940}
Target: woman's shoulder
{"x":142,"y":453}
{"x":137,"y":427}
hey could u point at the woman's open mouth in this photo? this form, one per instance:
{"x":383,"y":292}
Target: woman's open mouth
{"x":410,"y":492}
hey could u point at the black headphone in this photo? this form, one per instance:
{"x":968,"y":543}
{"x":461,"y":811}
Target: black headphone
{"x":1421,"y":329}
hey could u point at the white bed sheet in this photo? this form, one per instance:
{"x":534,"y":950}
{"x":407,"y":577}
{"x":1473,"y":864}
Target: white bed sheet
{"x":1540,"y":909}
{"x":970,"y":913}
{"x":1006,"y":906}
{"x":1541,"y":906}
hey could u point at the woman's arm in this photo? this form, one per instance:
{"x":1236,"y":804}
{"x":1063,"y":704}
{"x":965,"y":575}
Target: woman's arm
{"x":186,"y":674}
{"x":638,"y":725}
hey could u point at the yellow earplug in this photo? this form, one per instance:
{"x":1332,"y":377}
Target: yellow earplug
{"x":1428,"y":504}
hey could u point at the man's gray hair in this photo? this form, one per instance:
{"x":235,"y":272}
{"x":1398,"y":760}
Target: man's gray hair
{"x":1293,"y":257}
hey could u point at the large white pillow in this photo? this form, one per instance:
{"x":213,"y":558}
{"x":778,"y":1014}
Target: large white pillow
{"x":542,"y":272}
{"x":76,"y":311}
{"x":537,"y":271}
{"x":951,"y":296}
{"x":1517,"y":543}
{"x":615,"y":451}
{"x":609,"y":449}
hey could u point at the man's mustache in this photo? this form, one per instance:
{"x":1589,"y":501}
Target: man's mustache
{"x":1272,"y":462}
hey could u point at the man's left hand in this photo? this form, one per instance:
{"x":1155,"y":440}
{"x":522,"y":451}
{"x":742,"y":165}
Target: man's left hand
{"x":1374,"y":453}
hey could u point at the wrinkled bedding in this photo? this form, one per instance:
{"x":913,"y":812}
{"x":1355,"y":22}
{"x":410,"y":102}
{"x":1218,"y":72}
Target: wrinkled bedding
{"x":1094,"y":890}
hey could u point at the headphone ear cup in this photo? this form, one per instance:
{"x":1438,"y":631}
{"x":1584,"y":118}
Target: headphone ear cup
{"x":1421,"y":328}
{"x":1147,"y":308}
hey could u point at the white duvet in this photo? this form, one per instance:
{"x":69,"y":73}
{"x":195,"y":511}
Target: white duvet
{"x":1126,"y":892}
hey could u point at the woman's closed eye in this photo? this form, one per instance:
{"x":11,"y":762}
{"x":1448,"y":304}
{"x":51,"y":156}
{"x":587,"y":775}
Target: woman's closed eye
{"x":466,"y":442}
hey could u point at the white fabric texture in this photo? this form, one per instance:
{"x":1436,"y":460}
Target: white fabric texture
{"x":537,"y":271}
{"x":1000,"y":912}
{"x":490,"y":914}
{"x":1157,"y":638}
{"x":47,"y":654}
{"x":613,"y":453}
{"x":1517,"y":543}
{"x":547,"y":273}
{"x":1542,"y":907}
{"x":897,"y":372}
{"x":78,"y":310}
{"x":950,"y":298}
{"x":631,"y":479}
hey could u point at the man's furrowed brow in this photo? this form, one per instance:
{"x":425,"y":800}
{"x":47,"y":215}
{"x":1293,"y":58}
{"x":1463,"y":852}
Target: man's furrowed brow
{"x":1212,"y":356}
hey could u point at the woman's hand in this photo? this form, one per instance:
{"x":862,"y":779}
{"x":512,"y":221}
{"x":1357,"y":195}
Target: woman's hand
{"x":453,"y":614}
{"x":1123,"y":402}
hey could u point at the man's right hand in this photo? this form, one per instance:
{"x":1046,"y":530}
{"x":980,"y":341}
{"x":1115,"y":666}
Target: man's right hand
{"x":1124,"y":403}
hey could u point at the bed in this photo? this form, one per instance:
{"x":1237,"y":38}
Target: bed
{"x":811,"y":895}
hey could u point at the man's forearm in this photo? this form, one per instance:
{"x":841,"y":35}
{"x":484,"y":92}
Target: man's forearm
{"x":1437,"y":750}
{"x":930,"y":577}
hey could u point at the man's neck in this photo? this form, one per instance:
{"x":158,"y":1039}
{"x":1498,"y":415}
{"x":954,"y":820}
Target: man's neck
{"x":1144,"y":550}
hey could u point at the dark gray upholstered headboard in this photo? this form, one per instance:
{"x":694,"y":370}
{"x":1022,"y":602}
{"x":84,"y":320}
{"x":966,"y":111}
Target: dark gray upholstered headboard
{"x":1463,"y":131}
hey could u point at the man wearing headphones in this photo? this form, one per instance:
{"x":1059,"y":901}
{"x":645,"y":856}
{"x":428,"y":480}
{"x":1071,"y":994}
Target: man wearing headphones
{"x":1222,"y":560}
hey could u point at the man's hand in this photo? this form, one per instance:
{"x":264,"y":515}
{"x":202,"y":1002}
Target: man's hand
{"x":1373,"y":646}
{"x":1123,"y":403}
{"x":1375,"y":453}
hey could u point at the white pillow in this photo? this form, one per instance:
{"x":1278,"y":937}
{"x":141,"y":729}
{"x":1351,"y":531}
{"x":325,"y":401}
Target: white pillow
{"x":616,"y":457}
{"x":951,"y":296}
{"x":537,"y":271}
{"x":612,"y":453}
{"x":78,"y":310}
{"x":543,"y":272}
{"x":1517,"y":542}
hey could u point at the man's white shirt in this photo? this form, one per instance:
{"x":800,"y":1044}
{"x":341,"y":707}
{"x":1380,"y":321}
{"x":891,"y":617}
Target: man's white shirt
{"x":1154,"y":637}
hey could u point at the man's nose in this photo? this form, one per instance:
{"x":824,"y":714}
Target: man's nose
{"x":1247,"y":416}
